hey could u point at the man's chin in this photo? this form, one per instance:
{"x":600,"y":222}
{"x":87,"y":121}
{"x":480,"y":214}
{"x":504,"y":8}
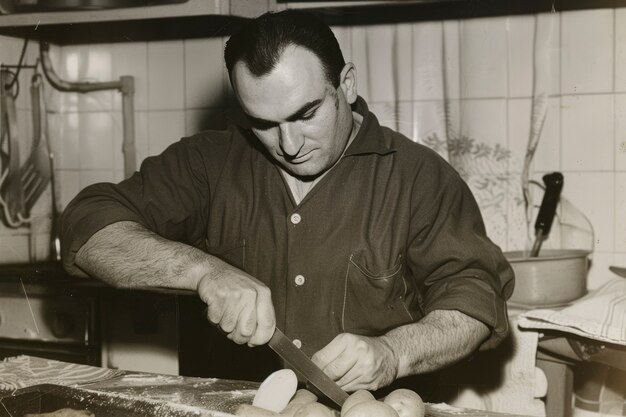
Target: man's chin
{"x":304,"y":173}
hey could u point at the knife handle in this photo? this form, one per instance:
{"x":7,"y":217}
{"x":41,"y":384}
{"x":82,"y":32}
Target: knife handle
{"x":551,"y":196}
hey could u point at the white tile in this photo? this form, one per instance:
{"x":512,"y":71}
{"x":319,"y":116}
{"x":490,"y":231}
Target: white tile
{"x":166,"y":86}
{"x":379,"y":73}
{"x":599,"y":273}
{"x":520,"y":50}
{"x":620,"y":50}
{"x":592,"y":197}
{"x":10,"y":51}
{"x":428,"y":71}
{"x":620,"y":132}
{"x":131,"y":59}
{"x":518,"y":232}
{"x":141,"y":139}
{"x":396,"y":116}
{"x":165,"y":128}
{"x":587,"y":51}
{"x":23,"y":101}
{"x":204,"y":73}
{"x":483,"y":58}
{"x":533,"y":54}
{"x":404,"y":68}
{"x":429,"y":125}
{"x":547,"y":154}
{"x":344,"y":39}
{"x":620,"y":209}
{"x":519,"y":128}
{"x":620,"y":260}
{"x":94,"y":176}
{"x":360,"y":61}
{"x":69,"y":185}
{"x":197,"y":120}
{"x":24,"y":133}
{"x":96,"y":66}
{"x":451,"y":59}
{"x":14,"y":249}
{"x":53,"y":96}
{"x":484,"y":120}
{"x":587,"y":132}
{"x":67,"y":156}
{"x":96,"y":140}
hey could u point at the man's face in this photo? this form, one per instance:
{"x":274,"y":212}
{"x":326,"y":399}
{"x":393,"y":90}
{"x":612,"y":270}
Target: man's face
{"x":302,"y":120}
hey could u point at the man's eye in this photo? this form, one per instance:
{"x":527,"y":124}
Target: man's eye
{"x":308,"y":116}
{"x":261,"y":124}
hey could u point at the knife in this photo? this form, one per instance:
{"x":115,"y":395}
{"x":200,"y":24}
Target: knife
{"x":285,"y":348}
{"x":303,"y":365}
{"x":547,"y":210}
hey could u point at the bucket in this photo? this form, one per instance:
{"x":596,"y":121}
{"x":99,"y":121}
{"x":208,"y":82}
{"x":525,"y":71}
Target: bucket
{"x":554,"y":278}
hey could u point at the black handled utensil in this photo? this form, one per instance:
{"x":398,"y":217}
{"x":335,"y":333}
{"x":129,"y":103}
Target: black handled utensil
{"x":547,"y":210}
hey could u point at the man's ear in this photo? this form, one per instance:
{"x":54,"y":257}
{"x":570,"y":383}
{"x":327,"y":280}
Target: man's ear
{"x":347,"y":82}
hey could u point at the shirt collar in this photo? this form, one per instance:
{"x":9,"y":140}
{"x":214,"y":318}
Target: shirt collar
{"x":371,"y":137}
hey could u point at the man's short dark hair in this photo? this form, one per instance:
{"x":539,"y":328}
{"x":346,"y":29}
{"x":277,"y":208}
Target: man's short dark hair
{"x":261,"y":42}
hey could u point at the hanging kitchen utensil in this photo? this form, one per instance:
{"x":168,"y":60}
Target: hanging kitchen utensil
{"x":11,"y":192}
{"x":35,"y":173}
{"x":547,"y":210}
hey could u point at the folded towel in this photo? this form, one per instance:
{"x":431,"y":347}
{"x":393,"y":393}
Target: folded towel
{"x":24,"y":371}
{"x":600,"y":315}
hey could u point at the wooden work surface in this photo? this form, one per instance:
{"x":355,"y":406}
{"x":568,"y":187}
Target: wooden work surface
{"x":34,"y":385}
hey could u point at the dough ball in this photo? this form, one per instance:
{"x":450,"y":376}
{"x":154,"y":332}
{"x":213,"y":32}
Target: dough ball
{"x":355,"y":398}
{"x":371,"y":408}
{"x":300,"y":398}
{"x":276,"y":390}
{"x":407,"y":403}
{"x":314,"y":410}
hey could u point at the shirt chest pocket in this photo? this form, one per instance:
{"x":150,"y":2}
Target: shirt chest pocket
{"x":373,"y":302}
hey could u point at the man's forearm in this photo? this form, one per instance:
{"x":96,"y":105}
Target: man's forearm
{"x":439,"y":339}
{"x":126,"y":254}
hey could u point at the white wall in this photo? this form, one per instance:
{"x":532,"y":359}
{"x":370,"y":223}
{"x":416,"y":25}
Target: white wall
{"x":182,"y":87}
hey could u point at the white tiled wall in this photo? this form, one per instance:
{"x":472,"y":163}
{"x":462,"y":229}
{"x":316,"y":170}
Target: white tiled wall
{"x":181,"y":87}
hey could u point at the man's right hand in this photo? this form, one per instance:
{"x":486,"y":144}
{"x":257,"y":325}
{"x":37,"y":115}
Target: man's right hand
{"x":240,"y":305}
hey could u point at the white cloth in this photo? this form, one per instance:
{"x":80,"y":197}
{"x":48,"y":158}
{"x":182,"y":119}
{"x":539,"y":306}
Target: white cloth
{"x":505,"y":381}
{"x":600,"y":315}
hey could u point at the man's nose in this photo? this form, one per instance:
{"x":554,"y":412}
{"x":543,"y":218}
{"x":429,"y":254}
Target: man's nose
{"x":290,"y":140}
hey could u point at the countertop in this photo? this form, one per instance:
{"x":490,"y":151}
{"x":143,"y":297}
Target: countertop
{"x":119,"y":393}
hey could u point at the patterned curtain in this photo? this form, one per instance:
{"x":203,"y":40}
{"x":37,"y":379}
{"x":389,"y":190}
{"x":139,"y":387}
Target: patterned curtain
{"x":437,"y":83}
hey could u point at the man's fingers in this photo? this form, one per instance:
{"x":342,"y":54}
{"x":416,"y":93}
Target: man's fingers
{"x":329,"y":352}
{"x":340,"y":366}
{"x":246,"y":324}
{"x":265,"y":318}
{"x":215,"y":311}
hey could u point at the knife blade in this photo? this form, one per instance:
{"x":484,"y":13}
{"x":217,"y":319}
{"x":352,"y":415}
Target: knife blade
{"x":301,"y":363}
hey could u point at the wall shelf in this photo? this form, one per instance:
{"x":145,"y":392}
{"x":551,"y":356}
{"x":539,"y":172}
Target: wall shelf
{"x":207,"y":18}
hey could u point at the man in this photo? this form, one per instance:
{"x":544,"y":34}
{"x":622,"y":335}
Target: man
{"x":366,"y":249}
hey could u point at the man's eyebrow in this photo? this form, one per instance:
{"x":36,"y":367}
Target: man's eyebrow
{"x":293,"y":117}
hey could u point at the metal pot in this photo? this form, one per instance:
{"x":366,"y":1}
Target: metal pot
{"x":554,"y":278}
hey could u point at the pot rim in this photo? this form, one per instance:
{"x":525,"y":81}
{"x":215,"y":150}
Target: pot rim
{"x":550,"y":254}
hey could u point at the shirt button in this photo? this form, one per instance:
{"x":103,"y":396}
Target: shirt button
{"x":297,"y":343}
{"x":299,"y":280}
{"x":295,"y":218}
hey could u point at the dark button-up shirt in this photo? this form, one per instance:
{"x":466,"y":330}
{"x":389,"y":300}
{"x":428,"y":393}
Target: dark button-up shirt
{"x":388,"y":235}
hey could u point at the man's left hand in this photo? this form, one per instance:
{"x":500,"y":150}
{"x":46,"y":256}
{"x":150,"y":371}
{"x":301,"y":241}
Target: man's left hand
{"x":358,"y":362}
